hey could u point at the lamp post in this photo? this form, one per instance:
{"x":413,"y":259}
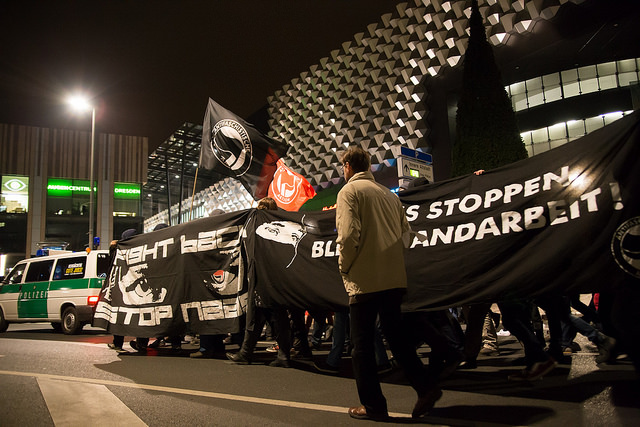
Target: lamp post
{"x":81,"y":103}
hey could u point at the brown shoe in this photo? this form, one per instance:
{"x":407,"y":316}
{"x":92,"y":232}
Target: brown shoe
{"x":360,"y":413}
{"x":426,"y":402}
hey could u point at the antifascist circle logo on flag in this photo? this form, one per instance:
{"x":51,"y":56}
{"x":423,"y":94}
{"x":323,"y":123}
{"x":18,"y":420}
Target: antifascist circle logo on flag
{"x":625,"y":246}
{"x":231,"y":145}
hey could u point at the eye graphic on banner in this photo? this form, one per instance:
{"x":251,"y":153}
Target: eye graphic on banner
{"x":287,"y":232}
{"x":231,"y":145}
{"x":136,"y":289}
{"x":625,"y":246}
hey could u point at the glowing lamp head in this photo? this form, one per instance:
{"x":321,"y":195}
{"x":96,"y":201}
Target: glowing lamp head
{"x":79,"y":103}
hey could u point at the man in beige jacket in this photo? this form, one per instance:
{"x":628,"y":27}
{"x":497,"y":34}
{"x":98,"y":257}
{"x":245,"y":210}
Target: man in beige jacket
{"x":371,"y":223}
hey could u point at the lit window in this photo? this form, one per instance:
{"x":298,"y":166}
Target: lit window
{"x":588,"y":80}
{"x":627,"y":72}
{"x":570,"y":83}
{"x":534,"y":92}
{"x":557,"y":131}
{"x":539,"y":135}
{"x":607,"y":76}
{"x":575,"y":129}
{"x":552,"y":89}
{"x":612,"y":117}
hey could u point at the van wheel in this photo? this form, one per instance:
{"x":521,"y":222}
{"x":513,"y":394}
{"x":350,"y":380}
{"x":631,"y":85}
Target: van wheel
{"x":3,"y":322}
{"x":70,"y":323}
{"x":57,"y":326}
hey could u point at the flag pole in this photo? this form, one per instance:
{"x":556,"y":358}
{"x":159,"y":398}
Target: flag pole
{"x":193,"y":194}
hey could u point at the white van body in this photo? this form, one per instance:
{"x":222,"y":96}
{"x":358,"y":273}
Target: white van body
{"x":62,"y":289}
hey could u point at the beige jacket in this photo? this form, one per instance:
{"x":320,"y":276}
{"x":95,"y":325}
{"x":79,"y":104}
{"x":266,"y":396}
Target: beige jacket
{"x":370,"y":221}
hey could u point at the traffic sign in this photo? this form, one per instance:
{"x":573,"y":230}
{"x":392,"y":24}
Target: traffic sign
{"x":415,"y":154}
{"x":412,"y":168}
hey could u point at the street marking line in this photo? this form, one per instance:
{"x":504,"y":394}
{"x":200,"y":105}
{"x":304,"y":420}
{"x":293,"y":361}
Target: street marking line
{"x":61,"y":341}
{"x":434,"y":420}
{"x":72,"y":403}
{"x":214,"y":395}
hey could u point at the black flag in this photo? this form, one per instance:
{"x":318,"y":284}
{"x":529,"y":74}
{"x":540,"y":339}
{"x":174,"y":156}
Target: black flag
{"x":235,"y":148}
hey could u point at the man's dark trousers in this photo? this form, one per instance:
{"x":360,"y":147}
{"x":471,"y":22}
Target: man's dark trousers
{"x":364,"y":310}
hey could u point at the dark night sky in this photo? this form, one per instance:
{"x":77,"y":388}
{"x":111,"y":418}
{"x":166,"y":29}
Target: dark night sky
{"x":152,"y":65}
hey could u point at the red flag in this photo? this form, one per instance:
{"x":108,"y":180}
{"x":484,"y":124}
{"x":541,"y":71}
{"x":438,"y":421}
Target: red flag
{"x":289,"y":189}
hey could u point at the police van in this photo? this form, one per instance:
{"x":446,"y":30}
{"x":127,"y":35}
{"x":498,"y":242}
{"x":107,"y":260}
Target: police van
{"x":62,"y":289}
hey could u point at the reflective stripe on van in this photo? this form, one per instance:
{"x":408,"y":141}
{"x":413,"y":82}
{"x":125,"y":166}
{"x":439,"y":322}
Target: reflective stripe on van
{"x":32,"y":300}
{"x":36,"y":301}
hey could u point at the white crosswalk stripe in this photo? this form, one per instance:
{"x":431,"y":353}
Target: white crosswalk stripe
{"x":72,"y":403}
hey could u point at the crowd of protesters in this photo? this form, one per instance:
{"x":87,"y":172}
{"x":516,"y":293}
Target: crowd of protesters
{"x":368,"y":217}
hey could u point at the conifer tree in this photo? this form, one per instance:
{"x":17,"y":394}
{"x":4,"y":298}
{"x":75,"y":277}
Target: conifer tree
{"x":487,"y":134}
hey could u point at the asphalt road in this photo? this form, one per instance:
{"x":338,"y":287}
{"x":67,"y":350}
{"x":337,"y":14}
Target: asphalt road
{"x":48,"y":378}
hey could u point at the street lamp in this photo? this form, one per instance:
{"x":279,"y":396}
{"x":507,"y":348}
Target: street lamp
{"x":80,"y":103}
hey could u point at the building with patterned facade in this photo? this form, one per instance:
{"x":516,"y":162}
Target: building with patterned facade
{"x":569,"y":66}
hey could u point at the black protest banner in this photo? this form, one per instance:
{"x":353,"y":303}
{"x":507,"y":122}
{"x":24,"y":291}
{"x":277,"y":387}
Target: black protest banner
{"x":562,"y":221}
{"x":188,"y":277}
{"x":293,"y":259}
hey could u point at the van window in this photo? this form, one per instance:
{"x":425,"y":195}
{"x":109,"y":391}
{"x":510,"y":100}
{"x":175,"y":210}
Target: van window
{"x":39,"y":271}
{"x":70,"y":268}
{"x":16,"y":274}
{"x":103,"y":265}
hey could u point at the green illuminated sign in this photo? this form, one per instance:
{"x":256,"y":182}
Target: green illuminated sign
{"x":126,"y":191}
{"x":67,"y":187}
{"x":57,"y":187}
